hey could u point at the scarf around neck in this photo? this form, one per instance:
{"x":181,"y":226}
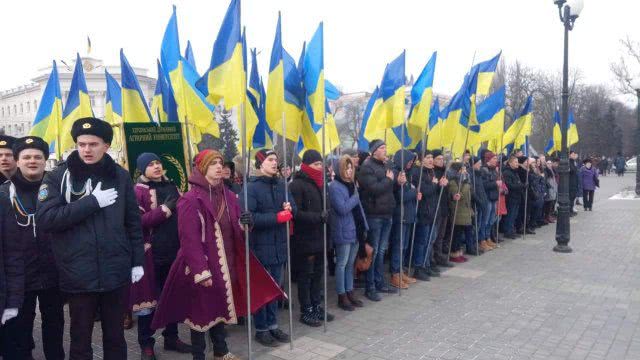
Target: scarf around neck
{"x":315,"y":175}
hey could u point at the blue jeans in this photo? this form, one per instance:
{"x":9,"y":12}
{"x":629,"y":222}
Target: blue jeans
{"x":267,"y":317}
{"x":489,"y":219}
{"x":463,"y":234}
{"x":480,"y":215}
{"x":395,"y":245}
{"x":513,"y":208}
{"x":378,"y":238}
{"x":421,"y":250}
{"x":345,"y":260}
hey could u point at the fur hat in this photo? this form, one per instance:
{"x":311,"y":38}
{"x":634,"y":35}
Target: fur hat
{"x":92,"y":126}
{"x":30,"y":142}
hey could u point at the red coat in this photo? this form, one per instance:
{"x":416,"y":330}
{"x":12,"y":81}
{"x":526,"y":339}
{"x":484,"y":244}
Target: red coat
{"x":205,"y":253}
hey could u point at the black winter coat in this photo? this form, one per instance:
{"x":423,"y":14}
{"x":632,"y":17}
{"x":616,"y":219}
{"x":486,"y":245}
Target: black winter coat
{"x":268,"y":239}
{"x":376,"y":189}
{"x":489,"y":178}
{"x":308,"y":229}
{"x":430,"y":192}
{"x":479,"y":195}
{"x":39,"y":264}
{"x":95,"y":248}
{"x":573,"y":178}
{"x":11,"y":260}
{"x":444,"y":202}
{"x":512,"y":181}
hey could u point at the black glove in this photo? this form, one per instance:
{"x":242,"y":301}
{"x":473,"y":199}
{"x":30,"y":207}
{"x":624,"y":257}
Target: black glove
{"x":246,"y":218}
{"x":171,"y":203}
{"x":324,"y":217}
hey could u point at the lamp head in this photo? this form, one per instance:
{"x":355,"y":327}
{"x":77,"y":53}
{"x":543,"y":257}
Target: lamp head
{"x":635,"y":84}
{"x":575,"y":7}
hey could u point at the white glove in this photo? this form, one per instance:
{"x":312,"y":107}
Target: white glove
{"x":104,"y":197}
{"x":136,"y":274}
{"x":9,"y":314}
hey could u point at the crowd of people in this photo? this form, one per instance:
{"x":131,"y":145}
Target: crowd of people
{"x":107,"y":246}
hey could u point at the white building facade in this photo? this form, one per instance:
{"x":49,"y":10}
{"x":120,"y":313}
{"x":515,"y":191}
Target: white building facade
{"x":18,"y":106}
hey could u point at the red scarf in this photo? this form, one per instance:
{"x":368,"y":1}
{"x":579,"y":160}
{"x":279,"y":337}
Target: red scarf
{"x":315,"y":175}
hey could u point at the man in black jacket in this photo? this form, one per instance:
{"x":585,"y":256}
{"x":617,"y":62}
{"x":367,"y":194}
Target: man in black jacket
{"x":270,"y":213}
{"x":41,"y":275}
{"x":308,"y":244}
{"x":440,"y":253}
{"x":514,"y":197}
{"x":7,"y":161}
{"x":89,"y":206}
{"x":376,"y":183}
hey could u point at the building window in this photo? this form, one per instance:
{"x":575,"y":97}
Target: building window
{"x":15,"y":110}
{"x":28,"y":107}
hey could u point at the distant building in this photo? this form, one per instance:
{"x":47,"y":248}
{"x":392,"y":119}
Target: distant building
{"x":18,"y":106}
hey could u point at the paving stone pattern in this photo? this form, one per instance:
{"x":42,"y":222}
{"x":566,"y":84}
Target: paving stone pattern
{"x":521,"y":301}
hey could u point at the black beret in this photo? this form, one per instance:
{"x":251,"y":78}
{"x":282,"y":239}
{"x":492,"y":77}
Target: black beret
{"x":30,"y":142}
{"x":92,"y":126}
{"x":6,"y":141}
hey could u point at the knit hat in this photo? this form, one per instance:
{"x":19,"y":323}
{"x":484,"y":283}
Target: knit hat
{"x":374,"y":145}
{"x":261,"y":155}
{"x":144,"y":160}
{"x":30,"y":142}
{"x":488,"y":155}
{"x":92,"y":126}
{"x":205,"y":158}
{"x":522,"y":159}
{"x":6,"y":141}
{"x":436,"y":153}
{"x":310,"y":156}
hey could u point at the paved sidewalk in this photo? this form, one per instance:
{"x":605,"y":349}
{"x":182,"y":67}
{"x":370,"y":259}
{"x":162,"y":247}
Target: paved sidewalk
{"x":521,"y":301}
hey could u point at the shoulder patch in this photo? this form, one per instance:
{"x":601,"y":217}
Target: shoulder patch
{"x":43,"y":193}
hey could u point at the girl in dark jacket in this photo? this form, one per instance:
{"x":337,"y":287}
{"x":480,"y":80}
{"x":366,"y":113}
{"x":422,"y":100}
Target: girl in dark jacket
{"x":344,"y":213}
{"x":308,"y":245}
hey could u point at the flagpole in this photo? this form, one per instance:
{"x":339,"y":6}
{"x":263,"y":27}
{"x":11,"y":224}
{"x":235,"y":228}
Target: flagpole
{"x":475,"y":218}
{"x":498,"y":217}
{"x":526,"y":193}
{"x":413,"y":229}
{"x":286,"y":199}
{"x":402,"y":170}
{"x":187,"y":132}
{"x":247,"y":253}
{"x":324,"y":210}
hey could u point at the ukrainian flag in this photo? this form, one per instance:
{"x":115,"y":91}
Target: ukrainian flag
{"x":275,"y":102}
{"x":521,"y":127}
{"x":294,"y":95}
{"x":182,"y":77}
{"x":434,"y":140}
{"x":78,"y":106}
{"x":313,"y":77}
{"x":366,"y":129}
{"x":572,"y":133}
{"x":188,"y":55}
{"x":466,"y":134}
{"x":391,"y":112}
{"x":113,"y":108}
{"x":163,"y":105}
{"x":264,"y":134}
{"x":134,"y":106}
{"x":421,"y":98}
{"x":490,"y":115}
{"x":331,"y":91}
{"x":49,"y":115}
{"x":550,"y":148}
{"x":226,"y":77}
{"x":486,"y":70}
{"x":557,"y":133}
{"x":252,"y":108}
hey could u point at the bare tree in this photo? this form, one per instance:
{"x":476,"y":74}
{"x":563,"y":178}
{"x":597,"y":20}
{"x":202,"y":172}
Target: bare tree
{"x":348,"y":113}
{"x":626,"y":68}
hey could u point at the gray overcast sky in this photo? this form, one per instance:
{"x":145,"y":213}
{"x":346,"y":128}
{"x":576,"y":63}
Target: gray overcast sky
{"x":360,"y":36}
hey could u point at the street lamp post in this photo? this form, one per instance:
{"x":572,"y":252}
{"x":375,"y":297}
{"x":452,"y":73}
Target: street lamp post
{"x":636,"y":86}
{"x":569,"y":12}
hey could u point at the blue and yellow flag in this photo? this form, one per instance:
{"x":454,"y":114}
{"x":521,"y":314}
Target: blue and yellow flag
{"x":366,"y":130}
{"x":275,"y":102}
{"x":49,"y":115}
{"x":252,"y":107}
{"x":572,"y":132}
{"x":182,"y":77}
{"x":331,"y":91}
{"x":434,"y":139}
{"x":490,"y":114}
{"x":313,"y":77}
{"x":113,"y":108}
{"x":486,"y":70}
{"x":78,"y":106}
{"x":226,"y":77}
{"x":550,"y":148}
{"x":521,"y":127}
{"x":391,"y":112}
{"x":163,"y":105}
{"x":421,"y":98}
{"x":188,"y":55}
{"x":293,"y":97}
{"x":464,"y":110}
{"x":134,"y":105}
{"x":557,"y":133}
{"x":263,"y":126}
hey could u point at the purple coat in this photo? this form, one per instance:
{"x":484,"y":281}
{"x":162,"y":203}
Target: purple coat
{"x":144,"y":294}
{"x":211,"y":249}
{"x":589,"y":178}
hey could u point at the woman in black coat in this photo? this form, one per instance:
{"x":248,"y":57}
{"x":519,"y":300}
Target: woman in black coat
{"x":308,"y":243}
